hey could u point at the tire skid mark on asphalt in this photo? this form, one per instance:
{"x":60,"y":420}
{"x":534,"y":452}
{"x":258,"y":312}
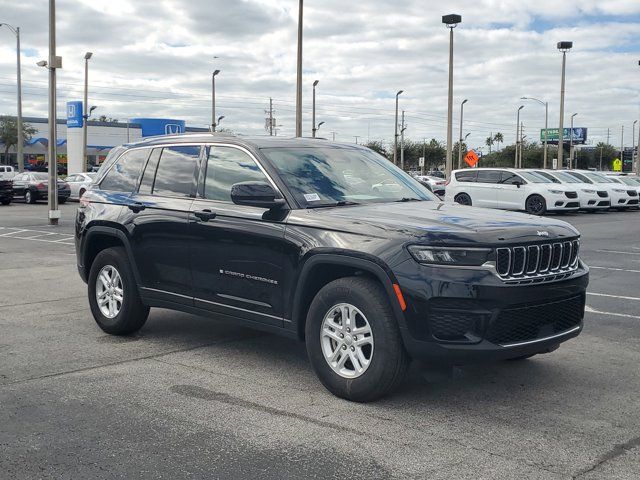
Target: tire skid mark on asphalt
{"x":589,"y":309}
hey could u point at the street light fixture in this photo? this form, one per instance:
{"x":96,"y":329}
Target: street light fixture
{"x":460,"y":142}
{"x":564,"y":47}
{"x":85,"y":160}
{"x":213,"y":100}
{"x":395,"y":135}
{"x":220,"y":118}
{"x":320,"y":124}
{"x":20,"y":140}
{"x":313,"y":120}
{"x":546,"y":125}
{"x":451,"y":21}
{"x":571,"y":143}
{"x":517,"y":135}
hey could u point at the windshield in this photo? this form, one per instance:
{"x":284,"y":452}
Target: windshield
{"x":628,"y":181}
{"x":598,"y":178}
{"x":40,"y":175}
{"x":534,"y":177}
{"x":321,"y":176}
{"x":566,"y":178}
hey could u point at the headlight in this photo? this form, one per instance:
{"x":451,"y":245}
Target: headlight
{"x":460,"y":256}
{"x":589,"y":191}
{"x":556,"y":192}
{"x":619,"y":190}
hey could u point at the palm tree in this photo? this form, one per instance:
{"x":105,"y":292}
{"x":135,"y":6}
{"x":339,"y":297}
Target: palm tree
{"x":498,"y":138}
{"x":489,"y":142}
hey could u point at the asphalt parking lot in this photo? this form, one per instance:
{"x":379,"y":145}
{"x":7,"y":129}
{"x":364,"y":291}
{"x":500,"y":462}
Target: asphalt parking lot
{"x":199,"y":398}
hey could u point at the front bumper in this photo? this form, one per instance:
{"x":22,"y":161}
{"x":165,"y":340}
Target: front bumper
{"x":562,"y":203}
{"x":462,"y":316}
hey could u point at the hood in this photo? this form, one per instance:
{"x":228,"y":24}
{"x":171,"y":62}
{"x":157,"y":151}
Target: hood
{"x":437,"y":223}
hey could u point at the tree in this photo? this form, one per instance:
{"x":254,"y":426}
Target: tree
{"x":489,"y":142}
{"x":456,"y":148}
{"x":377,"y":146}
{"x":9,"y":134}
{"x":498,"y":138}
{"x":105,"y":119}
{"x":608,"y":153}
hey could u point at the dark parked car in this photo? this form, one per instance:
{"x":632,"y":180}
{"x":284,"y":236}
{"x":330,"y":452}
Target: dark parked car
{"x":275,"y":234}
{"x":6,"y":191}
{"x":34,"y":186}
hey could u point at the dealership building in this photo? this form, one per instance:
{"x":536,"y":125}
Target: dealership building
{"x":101,"y":137}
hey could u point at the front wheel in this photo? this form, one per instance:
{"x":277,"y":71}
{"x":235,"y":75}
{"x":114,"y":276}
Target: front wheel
{"x":62,"y":200}
{"x":6,"y":201}
{"x":536,"y":205}
{"x":353,"y":341}
{"x":29,"y":197}
{"x":113,"y":294}
{"x":463,"y":199}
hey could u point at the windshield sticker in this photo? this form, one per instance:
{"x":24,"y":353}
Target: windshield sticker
{"x":312,"y":197}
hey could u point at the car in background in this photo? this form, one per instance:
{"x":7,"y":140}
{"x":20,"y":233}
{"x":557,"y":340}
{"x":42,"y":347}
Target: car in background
{"x":590,"y":197}
{"x":34,"y":186}
{"x":621,"y":198}
{"x":510,"y":189}
{"x":436,"y":173}
{"x":631,"y":182}
{"x":7,"y":172}
{"x":79,"y":183}
{"x":434,"y":184}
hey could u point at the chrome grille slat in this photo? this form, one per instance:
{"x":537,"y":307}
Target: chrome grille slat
{"x":540,"y":262}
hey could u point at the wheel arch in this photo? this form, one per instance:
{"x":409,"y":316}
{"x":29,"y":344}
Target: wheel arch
{"x":322,"y":268}
{"x":100,"y":237}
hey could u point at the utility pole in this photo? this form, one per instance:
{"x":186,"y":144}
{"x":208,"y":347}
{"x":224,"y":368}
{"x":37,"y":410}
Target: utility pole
{"x":451,"y":21}
{"x":564,"y":47}
{"x":85,"y":107}
{"x":520,"y":149}
{"x":271,"y":116}
{"x":515,"y":163}
{"x":20,"y":139}
{"x":53,"y":63}
{"x":571,"y":143}
{"x":402,"y":129}
{"x":334,"y":136}
{"x":357,"y":137}
{"x":299,"y":75}
{"x":395,"y":132}
{"x":460,"y":139}
{"x":313,"y":116}
{"x":633,"y":146}
{"x":622,"y":145}
{"x":213,"y":100}
{"x":608,"y":135}
{"x":601,"y":158}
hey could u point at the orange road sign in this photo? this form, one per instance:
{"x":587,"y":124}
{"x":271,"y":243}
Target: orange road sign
{"x":471,"y":158}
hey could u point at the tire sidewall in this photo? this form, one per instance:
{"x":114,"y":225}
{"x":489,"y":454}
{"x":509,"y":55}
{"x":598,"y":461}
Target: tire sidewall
{"x":360,"y":387}
{"x":544,"y":205}
{"x":466,"y":196}
{"x":28,"y":197}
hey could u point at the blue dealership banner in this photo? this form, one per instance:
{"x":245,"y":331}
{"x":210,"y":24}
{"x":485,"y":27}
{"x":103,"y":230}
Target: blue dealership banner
{"x":74,"y":115}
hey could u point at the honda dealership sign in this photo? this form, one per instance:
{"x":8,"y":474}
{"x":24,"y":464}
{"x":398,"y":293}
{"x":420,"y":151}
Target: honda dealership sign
{"x":579,"y":135}
{"x":74,"y":115}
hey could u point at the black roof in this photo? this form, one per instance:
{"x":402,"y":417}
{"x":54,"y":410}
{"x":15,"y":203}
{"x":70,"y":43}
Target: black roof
{"x":255,"y":142}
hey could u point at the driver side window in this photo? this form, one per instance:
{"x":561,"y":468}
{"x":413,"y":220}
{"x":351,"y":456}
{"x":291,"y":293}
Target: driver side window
{"x":510,"y":178}
{"x":226,"y":166}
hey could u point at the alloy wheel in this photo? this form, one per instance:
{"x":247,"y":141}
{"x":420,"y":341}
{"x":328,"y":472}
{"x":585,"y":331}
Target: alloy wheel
{"x":109,"y":292}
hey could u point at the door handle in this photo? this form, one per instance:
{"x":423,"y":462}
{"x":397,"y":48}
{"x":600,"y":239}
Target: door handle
{"x":136,"y":207}
{"x":205,"y":215}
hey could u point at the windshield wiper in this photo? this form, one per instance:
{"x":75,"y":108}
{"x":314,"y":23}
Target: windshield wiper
{"x":340,"y":203}
{"x":409,"y":199}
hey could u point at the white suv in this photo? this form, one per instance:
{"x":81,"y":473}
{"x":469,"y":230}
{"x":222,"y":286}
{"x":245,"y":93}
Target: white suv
{"x":7,"y":172}
{"x":591,"y":197}
{"x":622,"y":197}
{"x":510,"y":189}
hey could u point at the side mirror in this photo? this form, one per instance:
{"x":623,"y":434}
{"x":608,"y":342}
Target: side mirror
{"x":517,"y":183}
{"x":256,"y":194}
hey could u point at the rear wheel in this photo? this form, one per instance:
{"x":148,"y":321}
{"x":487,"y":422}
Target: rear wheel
{"x":536,"y":205}
{"x":463,"y":199}
{"x":29,"y":197}
{"x":353,"y":340}
{"x":113,"y":294}
{"x":6,"y":201}
{"x":62,"y":200}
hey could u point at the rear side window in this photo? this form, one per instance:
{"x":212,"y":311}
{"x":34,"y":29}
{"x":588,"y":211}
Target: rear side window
{"x":467,"y":176}
{"x":175,"y":175}
{"x":226,"y":166}
{"x":123,"y":177}
{"x":489,"y":176}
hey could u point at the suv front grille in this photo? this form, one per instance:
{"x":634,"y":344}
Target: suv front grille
{"x":602,"y":194}
{"x":531,"y":322}
{"x":571,"y":194}
{"x":544,"y":261}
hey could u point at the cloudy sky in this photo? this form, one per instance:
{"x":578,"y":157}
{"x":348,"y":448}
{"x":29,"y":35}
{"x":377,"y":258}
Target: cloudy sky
{"x":155,"y":58}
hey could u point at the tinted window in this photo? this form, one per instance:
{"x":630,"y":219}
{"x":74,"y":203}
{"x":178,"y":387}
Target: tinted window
{"x":175,"y":172}
{"x":510,"y":178}
{"x":123,"y":177}
{"x":226,"y":166}
{"x":149,"y":175}
{"x":489,"y":176}
{"x":467,"y":176}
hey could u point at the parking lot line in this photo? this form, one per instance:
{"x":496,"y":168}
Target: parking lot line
{"x":618,"y":251}
{"x":12,"y":233}
{"x":613,"y":296}
{"x":614,"y":269}
{"x":589,"y":309}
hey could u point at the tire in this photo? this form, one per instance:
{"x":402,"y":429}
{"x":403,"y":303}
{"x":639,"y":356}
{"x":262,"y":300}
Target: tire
{"x":62,"y":200}
{"x":536,"y":205}
{"x":463,"y":199}
{"x":387,"y":359}
{"x":29,"y":197}
{"x":132,"y":314}
{"x":6,"y":201}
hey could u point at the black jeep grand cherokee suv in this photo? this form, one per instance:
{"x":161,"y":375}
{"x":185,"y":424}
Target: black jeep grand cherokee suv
{"x":327,"y":243}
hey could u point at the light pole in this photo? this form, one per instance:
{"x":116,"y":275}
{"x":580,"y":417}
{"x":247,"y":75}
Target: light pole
{"x":395,"y":135}
{"x":546,"y":125}
{"x":402,"y":142}
{"x":313,"y":122}
{"x":571,"y":143}
{"x":622,"y":145}
{"x":85,"y":108}
{"x":451,"y":21}
{"x":20,"y":140}
{"x":299,"y":76}
{"x":460,"y":143}
{"x":213,"y":100}
{"x":633,"y":145}
{"x":564,"y":47}
{"x":515,"y":164}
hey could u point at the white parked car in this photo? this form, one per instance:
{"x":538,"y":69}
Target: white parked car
{"x":79,"y":183}
{"x":632,"y":182}
{"x":7,"y":172}
{"x":590,"y":196}
{"x":510,"y":189}
{"x":435,"y":184}
{"x":621,"y":197}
